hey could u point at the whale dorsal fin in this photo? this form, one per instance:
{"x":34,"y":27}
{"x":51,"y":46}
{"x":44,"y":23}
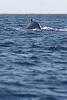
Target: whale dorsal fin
{"x":31,"y":20}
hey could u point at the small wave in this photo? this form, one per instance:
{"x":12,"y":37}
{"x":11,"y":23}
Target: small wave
{"x":50,"y":29}
{"x":63,"y":29}
{"x":18,"y":29}
{"x":6,"y":44}
{"x":42,"y":28}
{"x":24,"y":63}
{"x":54,"y":29}
{"x":26,"y":95}
{"x":46,"y":28}
{"x":54,"y":47}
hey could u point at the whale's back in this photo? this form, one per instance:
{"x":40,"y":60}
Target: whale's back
{"x":33,"y":25}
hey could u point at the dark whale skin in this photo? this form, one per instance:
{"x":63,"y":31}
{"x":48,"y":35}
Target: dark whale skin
{"x":33,"y":25}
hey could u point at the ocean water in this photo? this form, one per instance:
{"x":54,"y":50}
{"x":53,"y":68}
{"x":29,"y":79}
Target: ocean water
{"x":33,"y":63}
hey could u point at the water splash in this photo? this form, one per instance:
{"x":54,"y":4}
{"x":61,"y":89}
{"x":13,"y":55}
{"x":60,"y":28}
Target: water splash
{"x":46,"y":28}
{"x":18,"y":29}
{"x":42,"y":28}
{"x":63,"y":29}
{"x":54,"y":29}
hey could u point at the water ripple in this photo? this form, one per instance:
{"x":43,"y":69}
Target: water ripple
{"x":33,"y":63}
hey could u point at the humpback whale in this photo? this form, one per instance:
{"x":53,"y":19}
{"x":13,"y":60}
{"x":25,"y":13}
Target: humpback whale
{"x":33,"y":25}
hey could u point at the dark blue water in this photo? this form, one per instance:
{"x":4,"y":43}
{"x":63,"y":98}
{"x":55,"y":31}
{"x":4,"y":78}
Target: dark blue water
{"x":33,"y":63}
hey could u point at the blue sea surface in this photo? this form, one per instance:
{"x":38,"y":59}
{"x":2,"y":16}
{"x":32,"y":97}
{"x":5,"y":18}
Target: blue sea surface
{"x":33,"y":63}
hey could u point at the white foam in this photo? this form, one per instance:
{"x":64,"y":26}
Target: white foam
{"x":46,"y":28}
{"x":43,"y":28}
{"x":64,"y":29}
{"x":54,"y":29}
{"x":18,"y":29}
